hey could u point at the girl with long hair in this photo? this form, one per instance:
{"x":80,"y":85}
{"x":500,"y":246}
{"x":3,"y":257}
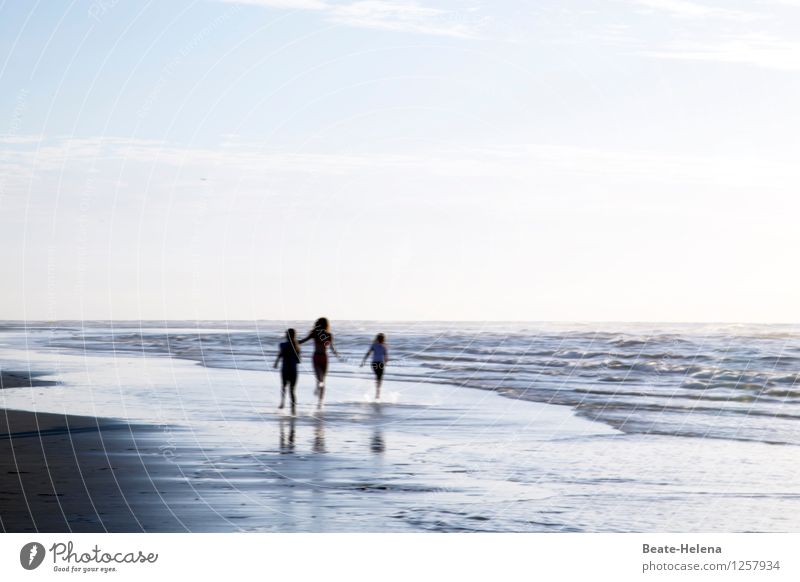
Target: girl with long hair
{"x":323,"y":339}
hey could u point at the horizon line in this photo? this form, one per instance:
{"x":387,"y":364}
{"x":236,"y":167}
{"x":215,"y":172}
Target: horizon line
{"x":515,"y":321}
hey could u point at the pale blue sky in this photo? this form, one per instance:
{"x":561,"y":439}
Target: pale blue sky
{"x":613,"y":160}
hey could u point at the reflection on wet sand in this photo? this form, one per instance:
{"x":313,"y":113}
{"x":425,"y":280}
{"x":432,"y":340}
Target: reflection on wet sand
{"x":318,"y":445}
{"x":287,"y":435}
{"x":287,"y":432}
{"x":377,"y":445}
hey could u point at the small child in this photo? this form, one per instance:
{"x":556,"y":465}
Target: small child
{"x":380,"y":355}
{"x":289,"y":351}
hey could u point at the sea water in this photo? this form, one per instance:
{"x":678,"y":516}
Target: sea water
{"x":738,"y":382}
{"x":659,"y":428}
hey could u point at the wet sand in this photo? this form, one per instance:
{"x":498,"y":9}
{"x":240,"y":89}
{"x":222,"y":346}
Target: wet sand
{"x":81,"y":474}
{"x":15,"y":379}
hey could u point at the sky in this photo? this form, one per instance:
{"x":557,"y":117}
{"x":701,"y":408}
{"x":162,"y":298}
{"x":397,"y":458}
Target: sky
{"x":558,"y":160}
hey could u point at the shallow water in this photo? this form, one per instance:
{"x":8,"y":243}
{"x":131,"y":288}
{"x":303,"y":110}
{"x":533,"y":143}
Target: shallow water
{"x":724,"y":381}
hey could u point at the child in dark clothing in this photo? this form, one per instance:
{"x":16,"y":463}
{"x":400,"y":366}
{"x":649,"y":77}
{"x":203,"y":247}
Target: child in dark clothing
{"x":289,"y":352}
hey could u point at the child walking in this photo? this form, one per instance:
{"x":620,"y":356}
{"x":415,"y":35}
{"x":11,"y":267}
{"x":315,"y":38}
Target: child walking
{"x":380,"y":355}
{"x":289,"y":352}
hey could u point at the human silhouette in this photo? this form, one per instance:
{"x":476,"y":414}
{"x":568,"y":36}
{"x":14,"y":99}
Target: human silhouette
{"x":380,"y":355}
{"x":323,"y":339}
{"x":289,"y":352}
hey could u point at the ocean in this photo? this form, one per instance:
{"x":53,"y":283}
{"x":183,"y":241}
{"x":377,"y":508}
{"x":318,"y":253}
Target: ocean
{"x":739,"y":382}
{"x":656,"y":427}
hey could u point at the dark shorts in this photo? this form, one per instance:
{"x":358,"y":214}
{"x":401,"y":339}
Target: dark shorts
{"x":378,"y":367}
{"x":289,"y":375}
{"x":321,"y":361}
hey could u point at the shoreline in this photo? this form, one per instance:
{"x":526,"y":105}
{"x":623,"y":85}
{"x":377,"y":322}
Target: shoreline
{"x":21,"y":379}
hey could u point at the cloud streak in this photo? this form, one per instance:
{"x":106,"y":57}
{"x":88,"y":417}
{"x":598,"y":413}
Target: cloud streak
{"x":528,"y":162}
{"x":694,"y":10}
{"x":408,"y":17}
{"x":755,"y":50}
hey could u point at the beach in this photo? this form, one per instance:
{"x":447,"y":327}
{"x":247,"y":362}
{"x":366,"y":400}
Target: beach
{"x":81,"y":474}
{"x":356,"y":466}
{"x":430,"y":457}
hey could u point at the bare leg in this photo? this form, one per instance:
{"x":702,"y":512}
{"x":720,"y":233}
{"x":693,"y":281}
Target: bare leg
{"x":319,"y":371}
{"x":378,"y":381}
{"x":292,"y":394}
{"x":283,"y":395}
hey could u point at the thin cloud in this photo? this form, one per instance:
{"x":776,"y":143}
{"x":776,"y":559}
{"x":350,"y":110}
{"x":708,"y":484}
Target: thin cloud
{"x":694,"y":10}
{"x":397,"y":16}
{"x":19,"y":139}
{"x":755,"y":50}
{"x":63,"y":155}
{"x":284,"y":4}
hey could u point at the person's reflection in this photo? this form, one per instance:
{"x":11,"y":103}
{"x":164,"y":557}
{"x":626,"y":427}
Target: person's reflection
{"x":318,"y":445}
{"x":287,"y":435}
{"x":376,"y":444}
